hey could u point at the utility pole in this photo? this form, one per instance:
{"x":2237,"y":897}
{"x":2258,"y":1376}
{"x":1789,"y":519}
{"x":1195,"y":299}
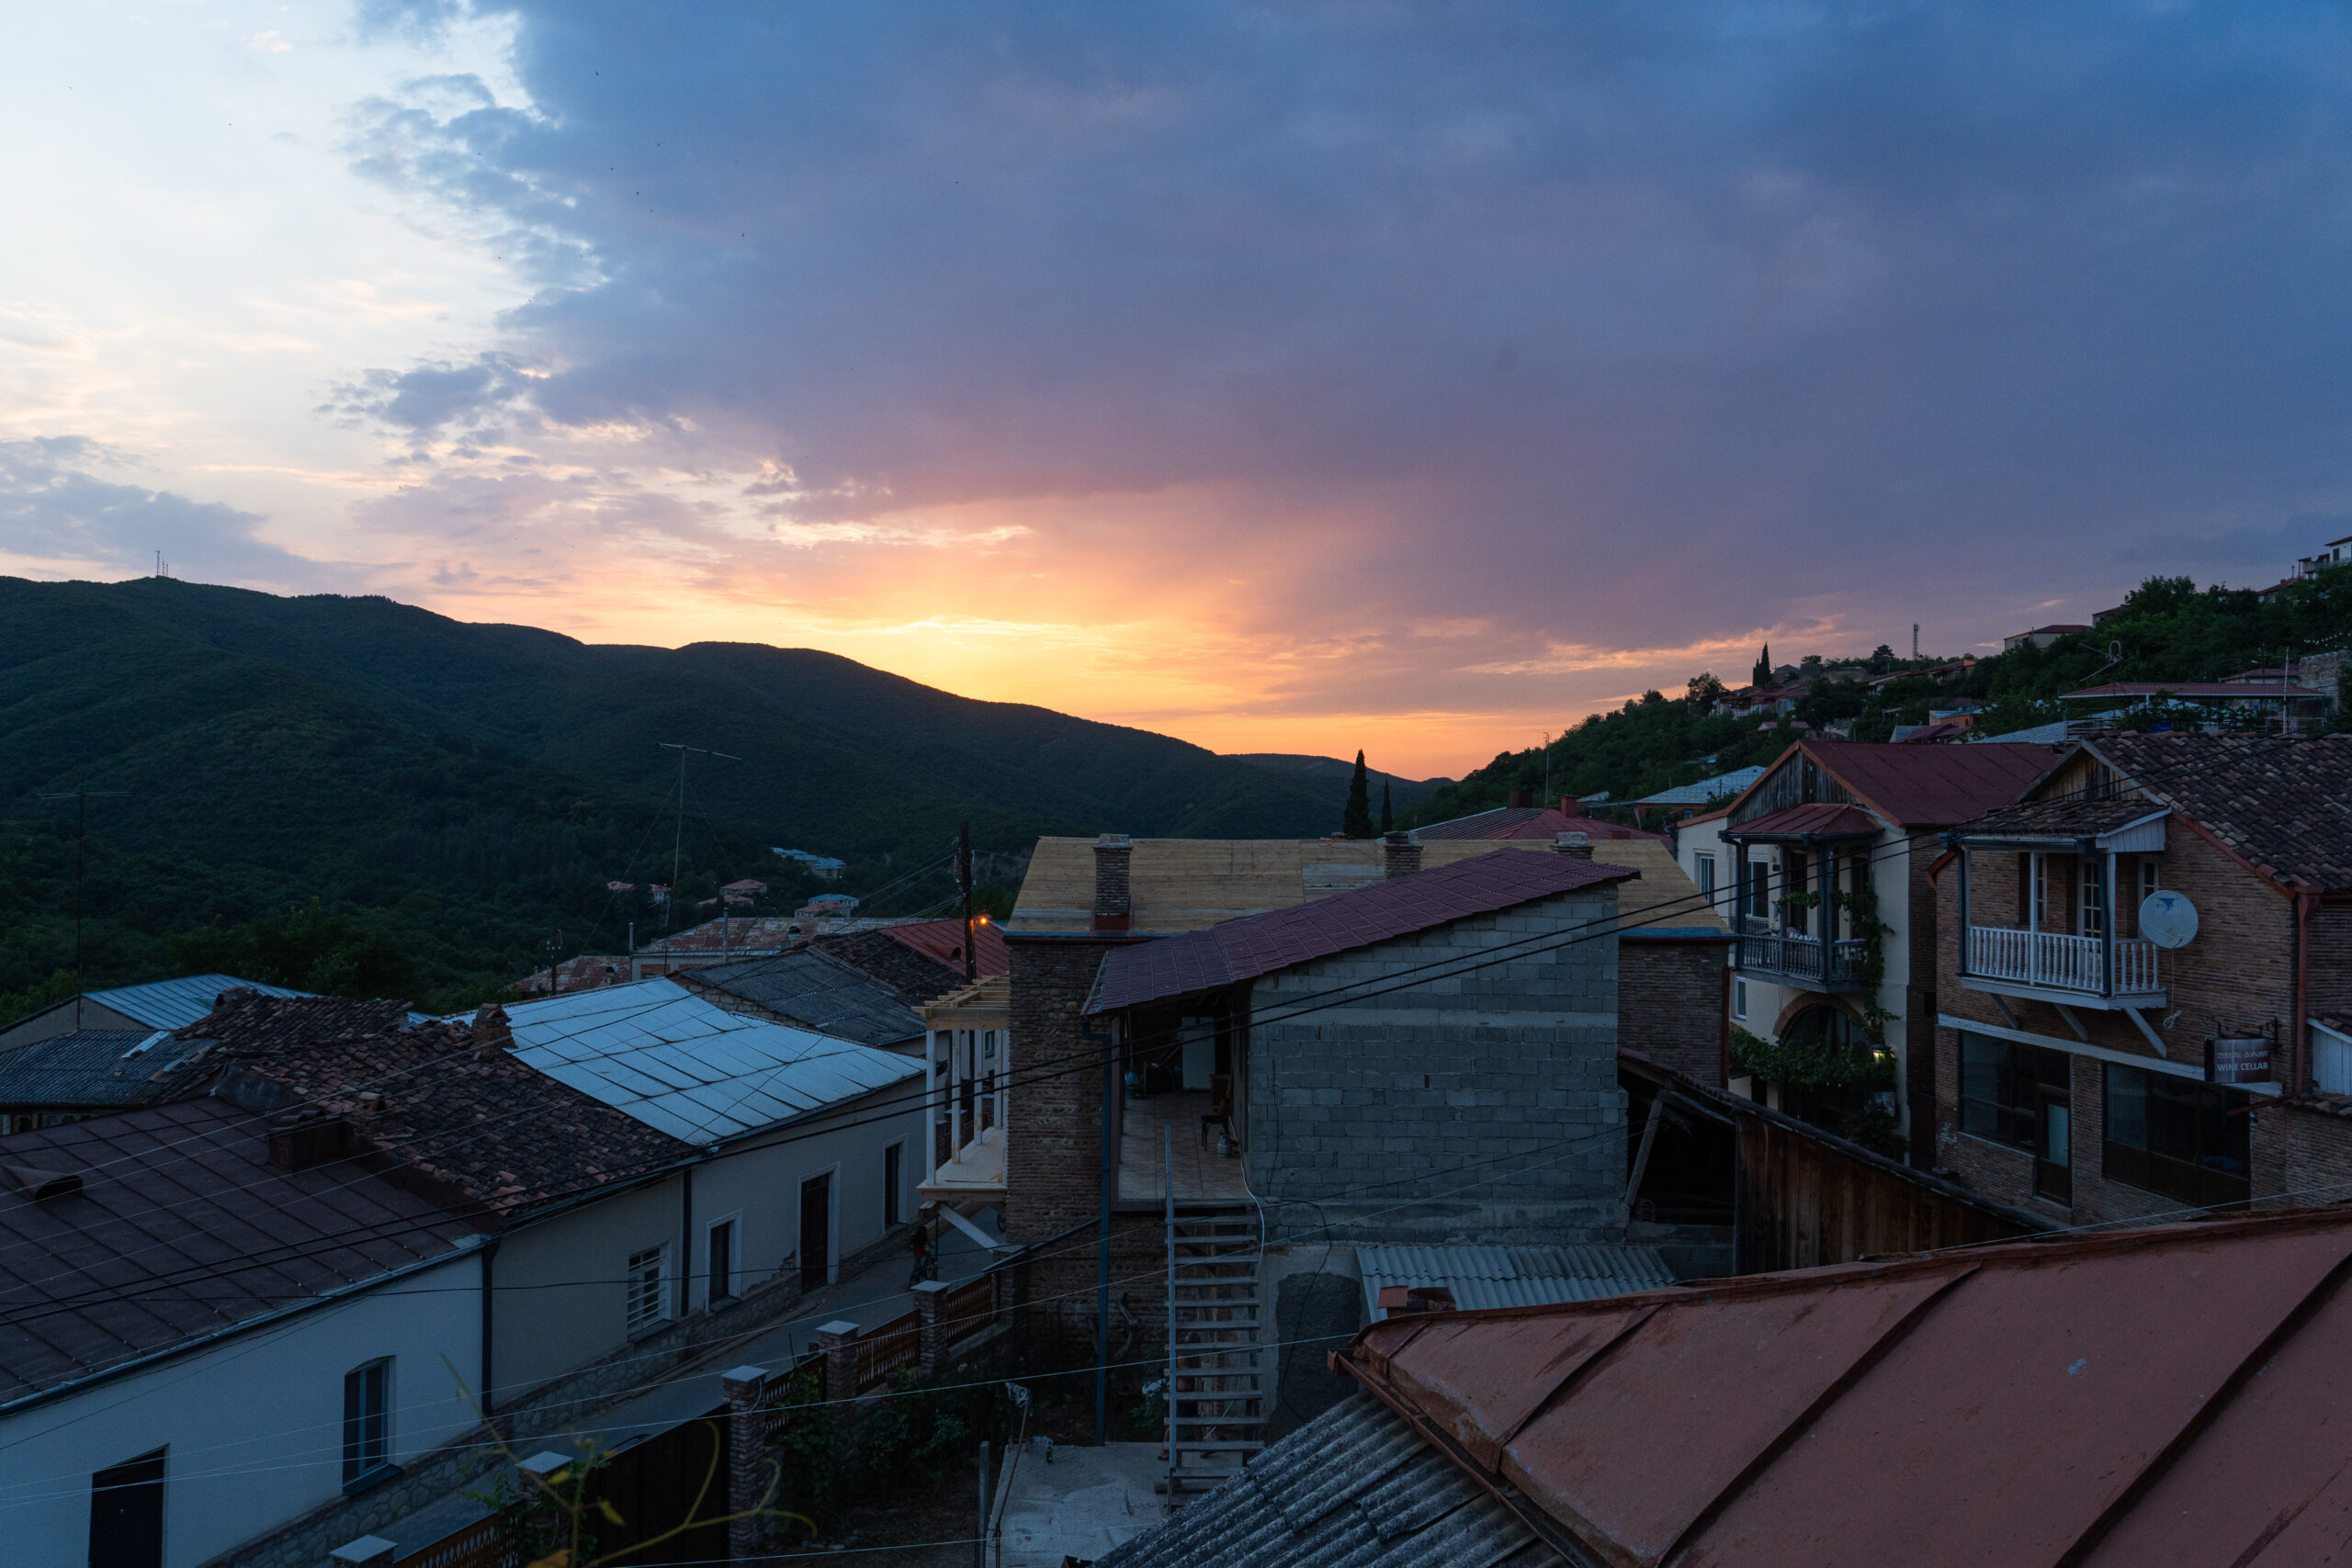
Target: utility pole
{"x":555,"y":948}
{"x":81,"y":799}
{"x":678,"y":838}
{"x":964,"y":881}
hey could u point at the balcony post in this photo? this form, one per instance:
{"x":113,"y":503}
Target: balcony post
{"x":2108,"y":926}
{"x":1967,"y":929}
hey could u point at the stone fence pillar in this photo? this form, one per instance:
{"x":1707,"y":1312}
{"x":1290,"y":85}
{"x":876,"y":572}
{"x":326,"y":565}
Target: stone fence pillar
{"x":748,"y":1473}
{"x":931,"y":1309}
{"x":838,"y":1339}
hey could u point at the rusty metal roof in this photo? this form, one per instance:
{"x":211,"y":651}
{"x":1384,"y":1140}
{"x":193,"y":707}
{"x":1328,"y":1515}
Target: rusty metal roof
{"x":1243,"y":949}
{"x":1815,"y":819}
{"x":1924,"y":786}
{"x":2177,"y":1395}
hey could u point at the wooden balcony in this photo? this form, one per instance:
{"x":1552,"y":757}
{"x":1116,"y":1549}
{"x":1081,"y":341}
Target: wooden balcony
{"x":1792,"y":958}
{"x":2058,"y":967}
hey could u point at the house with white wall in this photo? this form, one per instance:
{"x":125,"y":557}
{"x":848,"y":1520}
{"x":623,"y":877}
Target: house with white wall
{"x":1834,"y":836}
{"x":202,"y":1333}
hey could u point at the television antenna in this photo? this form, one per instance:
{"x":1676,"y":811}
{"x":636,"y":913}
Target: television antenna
{"x":81,"y":799}
{"x":678,"y":838}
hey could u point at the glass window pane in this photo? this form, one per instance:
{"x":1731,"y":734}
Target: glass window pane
{"x":2174,"y":1111}
{"x":2127,"y":1107}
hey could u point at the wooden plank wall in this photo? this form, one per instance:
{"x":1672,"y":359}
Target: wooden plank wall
{"x":1804,"y":1202}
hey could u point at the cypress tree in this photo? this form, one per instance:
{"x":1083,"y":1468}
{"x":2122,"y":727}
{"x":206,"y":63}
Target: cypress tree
{"x":1387,"y":817}
{"x":1357,"y":822}
{"x":1762,"y":675}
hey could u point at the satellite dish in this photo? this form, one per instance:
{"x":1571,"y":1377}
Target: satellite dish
{"x":2168,"y":918}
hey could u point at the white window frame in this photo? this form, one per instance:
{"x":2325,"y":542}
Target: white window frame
{"x":894,"y":1196}
{"x":365,"y":1472}
{"x":1740,"y":999}
{"x":638,"y":1315}
{"x":714,"y":1289}
{"x":1703,"y":872}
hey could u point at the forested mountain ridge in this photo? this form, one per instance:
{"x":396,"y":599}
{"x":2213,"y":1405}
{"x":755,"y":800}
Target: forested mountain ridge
{"x":2166,"y":629}
{"x":469,"y":789}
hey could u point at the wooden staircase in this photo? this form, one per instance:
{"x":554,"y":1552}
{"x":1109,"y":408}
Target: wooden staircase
{"x":1218,"y":1353}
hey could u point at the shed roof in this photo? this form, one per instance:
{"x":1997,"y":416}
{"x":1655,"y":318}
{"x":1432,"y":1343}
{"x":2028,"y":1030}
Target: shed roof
{"x":819,"y":991}
{"x":2168,"y":1396}
{"x":1181,"y":885}
{"x":1706,"y":790}
{"x":182,"y":1228}
{"x":1356,"y":1487}
{"x":1252,"y":946}
{"x":1545,"y":822}
{"x":1483,"y":1276}
{"x":691,"y":1069}
{"x":910,"y":967}
{"x":942,"y":941}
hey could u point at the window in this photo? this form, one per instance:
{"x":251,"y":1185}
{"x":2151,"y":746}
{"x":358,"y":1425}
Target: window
{"x":1703,"y":872}
{"x":2176,"y":1138}
{"x":721,"y":1253}
{"x":2090,"y":888}
{"x":1997,"y":1084}
{"x":2144,"y":881}
{"x":1795,"y":873}
{"x":893,"y":1162}
{"x":127,"y":1513}
{"x":2021,"y":1096}
{"x":1740,"y":999}
{"x":1759,"y":888}
{"x":367,"y":1420}
{"x":648,"y":1272}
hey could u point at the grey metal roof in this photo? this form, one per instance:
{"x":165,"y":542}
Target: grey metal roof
{"x":175,"y":1004}
{"x":816,"y":989}
{"x":1704,"y":790}
{"x":1483,"y":1276}
{"x":689,"y":1067}
{"x":1354,"y":1486}
{"x":98,"y":1068}
{"x":181,"y":1228}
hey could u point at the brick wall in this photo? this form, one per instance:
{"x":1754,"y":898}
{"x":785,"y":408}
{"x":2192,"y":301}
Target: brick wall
{"x":1053,"y":1155}
{"x":1673,"y":1004}
{"x":2238,"y":973}
{"x":1484,"y":1105}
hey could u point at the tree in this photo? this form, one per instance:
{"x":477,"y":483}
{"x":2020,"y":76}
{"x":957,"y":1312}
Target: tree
{"x":1387,"y":813}
{"x":1705,"y":692}
{"x":1762,"y":675}
{"x":1357,"y":822}
{"x":1882,"y":660}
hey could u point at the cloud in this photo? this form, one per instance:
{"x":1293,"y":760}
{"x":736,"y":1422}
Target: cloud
{"x":1595,"y":329}
{"x":56,"y":513}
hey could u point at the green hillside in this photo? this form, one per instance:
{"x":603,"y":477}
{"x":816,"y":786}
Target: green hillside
{"x":452,"y":794}
{"x":2166,"y":629}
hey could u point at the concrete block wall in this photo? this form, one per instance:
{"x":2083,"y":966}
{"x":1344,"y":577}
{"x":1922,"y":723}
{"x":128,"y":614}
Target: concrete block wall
{"x":1484,"y":1106}
{"x":1674,"y":1004}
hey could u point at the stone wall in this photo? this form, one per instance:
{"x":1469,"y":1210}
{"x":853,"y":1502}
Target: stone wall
{"x":1484,"y":1106}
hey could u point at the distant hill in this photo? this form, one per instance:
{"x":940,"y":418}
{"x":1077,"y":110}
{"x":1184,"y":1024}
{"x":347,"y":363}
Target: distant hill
{"x":469,"y":788}
{"x":1332,"y":774}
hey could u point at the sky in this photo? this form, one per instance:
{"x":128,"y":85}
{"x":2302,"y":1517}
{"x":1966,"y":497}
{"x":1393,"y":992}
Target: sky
{"x":1297,"y":377}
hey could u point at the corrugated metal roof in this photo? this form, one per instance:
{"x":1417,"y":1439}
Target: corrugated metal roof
{"x":1243,"y":949}
{"x":98,"y":1069}
{"x":1704,"y":790}
{"x":1819,"y":818}
{"x":2172,"y":1396}
{"x":1482,"y":1276}
{"x":815,"y":989}
{"x":1353,"y":1488}
{"x":175,"y":1004}
{"x":692,"y":1069}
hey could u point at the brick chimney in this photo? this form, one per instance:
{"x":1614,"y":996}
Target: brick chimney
{"x":491,"y":1028}
{"x":1571,"y":806}
{"x":1113,"y":903}
{"x":1522,"y":798}
{"x":1577,"y":845}
{"x":1399,"y":855}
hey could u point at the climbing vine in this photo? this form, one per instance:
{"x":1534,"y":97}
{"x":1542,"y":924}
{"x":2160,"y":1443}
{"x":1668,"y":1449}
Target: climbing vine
{"x":1825,"y":1063}
{"x":1869,"y":967}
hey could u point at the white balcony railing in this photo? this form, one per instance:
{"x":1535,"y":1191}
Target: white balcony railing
{"x":2060,"y":963}
{"x":1766,"y":950}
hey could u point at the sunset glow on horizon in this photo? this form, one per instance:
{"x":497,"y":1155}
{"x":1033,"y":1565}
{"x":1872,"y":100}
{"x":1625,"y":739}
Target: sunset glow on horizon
{"x":1282,"y":379}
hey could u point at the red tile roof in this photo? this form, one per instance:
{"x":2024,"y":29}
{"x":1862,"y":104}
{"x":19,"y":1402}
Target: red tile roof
{"x":1252,"y":946}
{"x":2139,"y":1400}
{"x":1819,"y":820}
{"x":943,"y":943}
